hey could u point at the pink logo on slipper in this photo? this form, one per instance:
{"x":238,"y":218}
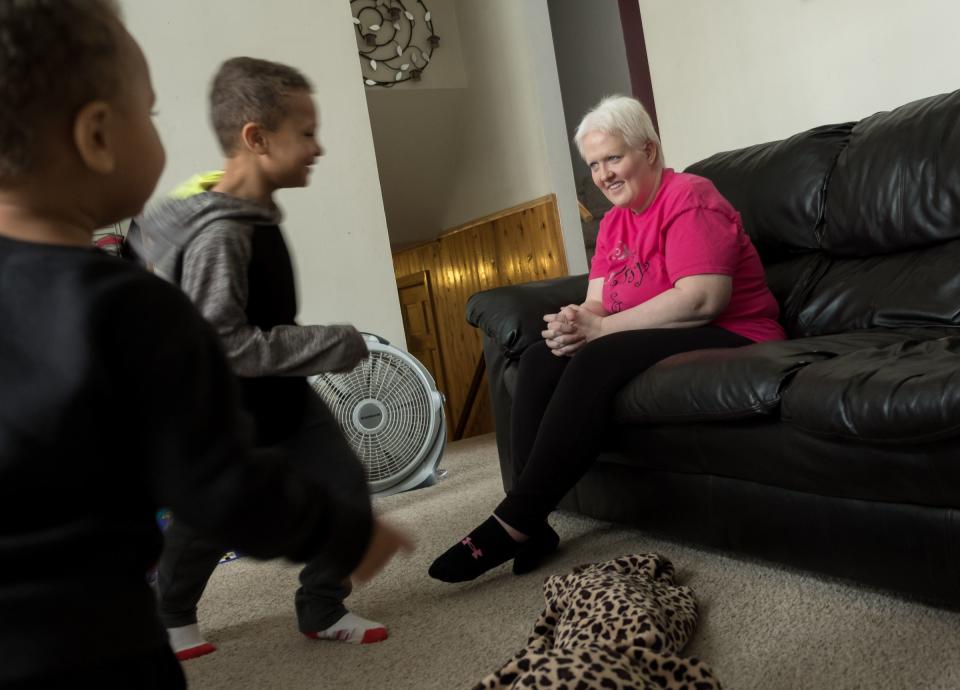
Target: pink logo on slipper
{"x":475,"y":552}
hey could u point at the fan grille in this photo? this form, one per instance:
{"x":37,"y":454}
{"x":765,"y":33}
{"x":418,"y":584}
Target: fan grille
{"x":385,"y":411}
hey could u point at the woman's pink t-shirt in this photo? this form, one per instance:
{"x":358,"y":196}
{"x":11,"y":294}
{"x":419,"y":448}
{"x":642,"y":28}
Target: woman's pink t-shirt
{"x":689,"y":229}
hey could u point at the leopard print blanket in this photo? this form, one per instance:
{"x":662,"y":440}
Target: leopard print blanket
{"x":614,"y":625}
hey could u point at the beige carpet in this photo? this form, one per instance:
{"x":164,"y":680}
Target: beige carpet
{"x":762,"y":626}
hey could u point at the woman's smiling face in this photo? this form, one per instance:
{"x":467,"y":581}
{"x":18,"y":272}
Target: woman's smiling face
{"x":627,"y":177}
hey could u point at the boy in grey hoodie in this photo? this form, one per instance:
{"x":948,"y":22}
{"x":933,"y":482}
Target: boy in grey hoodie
{"x":218,"y":237}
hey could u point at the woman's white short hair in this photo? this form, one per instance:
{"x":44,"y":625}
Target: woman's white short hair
{"x":621,"y":116}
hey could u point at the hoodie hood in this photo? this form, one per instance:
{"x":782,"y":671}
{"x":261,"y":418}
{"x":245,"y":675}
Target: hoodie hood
{"x":163,"y":231}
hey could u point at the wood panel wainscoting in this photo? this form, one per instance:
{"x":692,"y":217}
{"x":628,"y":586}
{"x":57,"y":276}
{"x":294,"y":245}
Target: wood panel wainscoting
{"x":515,"y":245}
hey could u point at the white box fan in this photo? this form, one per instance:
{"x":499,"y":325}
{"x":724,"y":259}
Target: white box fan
{"x":392,"y":414}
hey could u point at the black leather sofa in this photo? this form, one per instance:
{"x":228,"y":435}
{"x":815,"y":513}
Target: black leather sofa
{"x":837,"y":450}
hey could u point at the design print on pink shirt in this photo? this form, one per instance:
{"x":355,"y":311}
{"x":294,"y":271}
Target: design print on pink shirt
{"x":631,"y":273}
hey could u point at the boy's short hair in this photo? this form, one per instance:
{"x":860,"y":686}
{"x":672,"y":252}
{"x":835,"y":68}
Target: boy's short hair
{"x":55,"y":56}
{"x":246,"y":90}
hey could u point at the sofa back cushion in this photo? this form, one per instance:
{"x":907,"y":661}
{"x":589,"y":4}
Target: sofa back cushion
{"x":858,"y":224}
{"x":779,"y":187}
{"x":896,"y":183}
{"x":908,"y":289}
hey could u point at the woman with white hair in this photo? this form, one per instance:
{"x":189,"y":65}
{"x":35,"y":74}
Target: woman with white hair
{"x":673,"y":271}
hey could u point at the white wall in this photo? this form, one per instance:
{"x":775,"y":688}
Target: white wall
{"x":503,"y":149}
{"x":449,"y":155}
{"x":546,"y":87}
{"x":591,"y":60}
{"x":336,"y":227}
{"x":734,"y":73}
{"x":514,"y":138}
{"x":417,"y":133}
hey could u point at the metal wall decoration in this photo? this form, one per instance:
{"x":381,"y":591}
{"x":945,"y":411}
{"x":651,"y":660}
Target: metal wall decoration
{"x":395,"y":42}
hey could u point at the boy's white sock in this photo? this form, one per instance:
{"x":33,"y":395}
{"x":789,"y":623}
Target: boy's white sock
{"x":188,"y":643}
{"x":352,"y":628}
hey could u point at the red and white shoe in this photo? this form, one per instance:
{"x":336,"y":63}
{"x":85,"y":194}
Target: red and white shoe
{"x":188,"y":643}
{"x":353,"y":629}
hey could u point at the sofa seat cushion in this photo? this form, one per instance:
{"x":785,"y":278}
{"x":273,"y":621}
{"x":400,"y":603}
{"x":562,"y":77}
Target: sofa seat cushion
{"x":734,"y":383}
{"x":902,"y":393}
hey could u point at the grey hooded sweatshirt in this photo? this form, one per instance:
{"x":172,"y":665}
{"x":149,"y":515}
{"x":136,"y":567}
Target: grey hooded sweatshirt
{"x":230,"y":258}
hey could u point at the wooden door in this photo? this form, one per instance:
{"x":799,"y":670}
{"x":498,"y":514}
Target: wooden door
{"x":420,"y":328}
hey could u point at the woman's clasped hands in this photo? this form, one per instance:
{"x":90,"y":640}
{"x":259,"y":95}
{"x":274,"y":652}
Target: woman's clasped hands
{"x":570,"y":329}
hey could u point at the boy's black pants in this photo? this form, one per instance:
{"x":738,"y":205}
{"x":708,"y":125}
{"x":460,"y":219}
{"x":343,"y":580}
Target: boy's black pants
{"x":188,"y":559}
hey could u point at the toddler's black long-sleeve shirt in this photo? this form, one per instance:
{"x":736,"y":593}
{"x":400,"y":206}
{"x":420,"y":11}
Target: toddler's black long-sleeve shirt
{"x":115,"y":399}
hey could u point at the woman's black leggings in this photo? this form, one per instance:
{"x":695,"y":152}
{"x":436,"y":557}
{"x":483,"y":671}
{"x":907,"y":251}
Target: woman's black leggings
{"x":563,"y":406}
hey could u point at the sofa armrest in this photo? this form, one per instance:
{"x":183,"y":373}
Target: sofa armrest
{"x":512,"y":316}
